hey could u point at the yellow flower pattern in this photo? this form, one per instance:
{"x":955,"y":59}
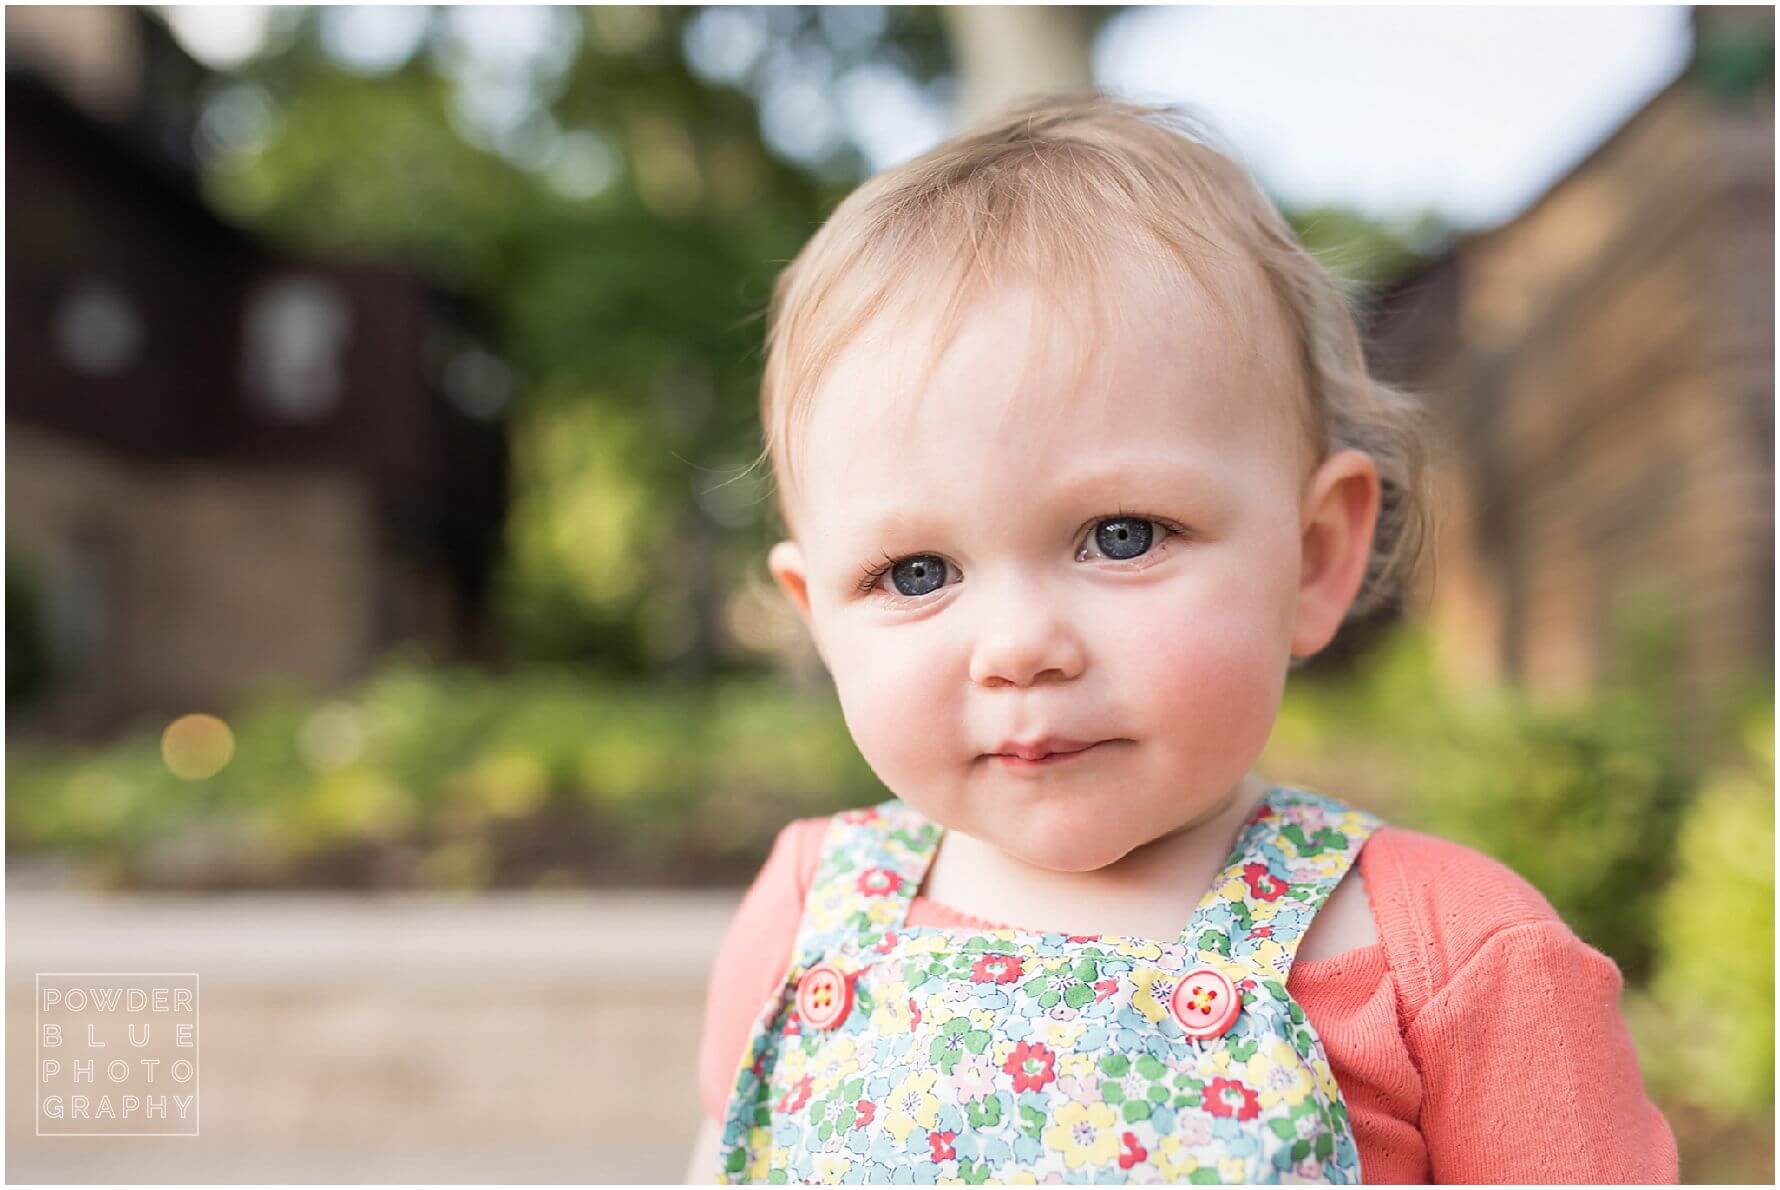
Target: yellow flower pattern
{"x":1147,"y":983}
{"x":912,"y":1104}
{"x":1084,"y":1134}
{"x":1175,"y":1160}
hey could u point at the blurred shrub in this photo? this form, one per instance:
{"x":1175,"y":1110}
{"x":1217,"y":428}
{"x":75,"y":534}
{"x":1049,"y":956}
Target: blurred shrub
{"x":454,"y":778}
{"x":1712,"y":1026}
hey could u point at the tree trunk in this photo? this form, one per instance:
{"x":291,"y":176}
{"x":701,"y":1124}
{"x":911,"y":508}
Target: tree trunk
{"x":1009,"y":52}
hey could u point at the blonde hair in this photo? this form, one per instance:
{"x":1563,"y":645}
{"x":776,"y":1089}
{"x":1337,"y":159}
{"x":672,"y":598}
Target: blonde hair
{"x":1049,"y":190}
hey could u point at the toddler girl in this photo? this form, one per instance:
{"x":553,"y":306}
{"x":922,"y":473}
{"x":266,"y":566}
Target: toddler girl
{"x":1077,"y":455}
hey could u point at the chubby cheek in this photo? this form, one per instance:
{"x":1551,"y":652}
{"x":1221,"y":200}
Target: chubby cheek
{"x":902,"y":708}
{"x":1208,"y":683}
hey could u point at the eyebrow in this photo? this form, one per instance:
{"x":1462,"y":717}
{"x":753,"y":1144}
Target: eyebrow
{"x":1147,"y":473}
{"x":1133,"y":479}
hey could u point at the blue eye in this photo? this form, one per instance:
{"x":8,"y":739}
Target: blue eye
{"x":1123,"y":537}
{"x":919,"y":575}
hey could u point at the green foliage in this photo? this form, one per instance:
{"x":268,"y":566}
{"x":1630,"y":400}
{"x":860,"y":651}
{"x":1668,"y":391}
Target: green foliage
{"x":1363,"y":252}
{"x":454,"y":778}
{"x":1711,"y":1028}
{"x":1733,"y":57}
{"x":371,"y":168}
{"x":577,"y":555}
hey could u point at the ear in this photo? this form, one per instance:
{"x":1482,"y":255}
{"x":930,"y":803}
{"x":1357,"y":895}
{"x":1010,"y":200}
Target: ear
{"x":785,"y":561}
{"x":1340,"y":513}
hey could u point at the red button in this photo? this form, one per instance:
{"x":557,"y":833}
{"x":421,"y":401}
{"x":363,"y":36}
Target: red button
{"x":824,"y":996}
{"x":1205,"y":1003}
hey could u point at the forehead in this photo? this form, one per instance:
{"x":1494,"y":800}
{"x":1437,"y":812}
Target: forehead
{"x":1034,"y":385}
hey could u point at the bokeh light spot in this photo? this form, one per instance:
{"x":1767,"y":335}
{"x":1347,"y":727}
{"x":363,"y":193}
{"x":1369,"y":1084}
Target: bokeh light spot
{"x":197,"y":746}
{"x":331,"y":738}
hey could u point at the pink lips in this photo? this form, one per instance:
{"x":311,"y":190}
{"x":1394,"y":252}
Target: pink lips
{"x":1042,"y":752}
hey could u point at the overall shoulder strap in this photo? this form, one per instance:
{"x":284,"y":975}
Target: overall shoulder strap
{"x":871,"y":864}
{"x":1289,"y":856}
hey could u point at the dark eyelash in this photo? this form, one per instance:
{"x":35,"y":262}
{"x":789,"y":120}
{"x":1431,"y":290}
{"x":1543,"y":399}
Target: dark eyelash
{"x":869,"y":578}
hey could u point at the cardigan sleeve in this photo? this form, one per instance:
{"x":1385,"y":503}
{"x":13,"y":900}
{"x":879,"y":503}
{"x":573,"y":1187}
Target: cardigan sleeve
{"x":1528,"y":1070}
{"x":753,"y":957}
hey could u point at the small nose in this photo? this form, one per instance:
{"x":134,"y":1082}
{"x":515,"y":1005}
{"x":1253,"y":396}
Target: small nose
{"x":1024,"y":642}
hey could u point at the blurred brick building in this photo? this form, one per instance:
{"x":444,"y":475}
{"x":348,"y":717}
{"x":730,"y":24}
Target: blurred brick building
{"x":1603,"y":369}
{"x":226,"y":466}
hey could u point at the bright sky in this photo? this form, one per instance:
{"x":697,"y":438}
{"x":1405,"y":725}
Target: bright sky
{"x":1472,"y":111}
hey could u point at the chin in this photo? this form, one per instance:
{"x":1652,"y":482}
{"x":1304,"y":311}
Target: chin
{"x":1067,"y":845}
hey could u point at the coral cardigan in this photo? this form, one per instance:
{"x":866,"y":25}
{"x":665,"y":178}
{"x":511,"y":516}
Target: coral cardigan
{"x":1479,"y":1040}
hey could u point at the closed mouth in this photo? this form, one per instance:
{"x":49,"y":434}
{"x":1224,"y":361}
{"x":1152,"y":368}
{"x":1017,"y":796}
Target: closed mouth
{"x":1035,"y":758}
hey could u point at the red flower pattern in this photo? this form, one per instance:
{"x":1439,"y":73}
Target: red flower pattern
{"x":941,"y":1144}
{"x":997,"y":968}
{"x":1105,"y":988}
{"x":914,"y":1015}
{"x":879,"y":882}
{"x":797,"y":1096}
{"x":1133,"y":1153}
{"x":888,"y":942}
{"x":1032,"y":1065}
{"x":1262,"y":884}
{"x":1231,"y":1099}
{"x":866,"y":1109}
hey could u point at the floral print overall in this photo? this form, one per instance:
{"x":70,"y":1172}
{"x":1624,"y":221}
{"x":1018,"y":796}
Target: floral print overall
{"x":928,"y":1055}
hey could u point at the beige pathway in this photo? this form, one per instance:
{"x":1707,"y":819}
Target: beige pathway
{"x":511,"y":1037}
